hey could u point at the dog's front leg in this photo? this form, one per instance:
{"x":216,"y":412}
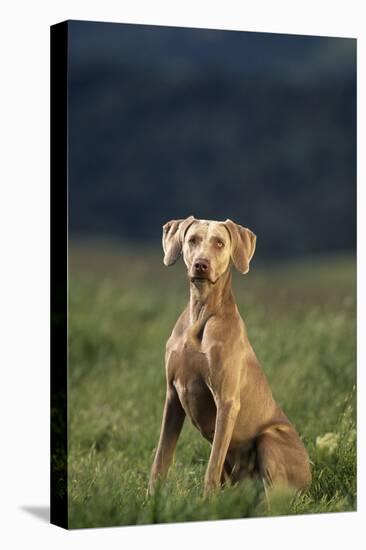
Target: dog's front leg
{"x":173,"y":418}
{"x":227,"y":412}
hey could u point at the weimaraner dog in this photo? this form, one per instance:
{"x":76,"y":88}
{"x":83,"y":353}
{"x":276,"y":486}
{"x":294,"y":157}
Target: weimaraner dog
{"x":212,"y":373}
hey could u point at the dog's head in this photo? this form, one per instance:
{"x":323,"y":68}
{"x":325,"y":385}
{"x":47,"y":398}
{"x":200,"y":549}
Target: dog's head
{"x":207,"y":247}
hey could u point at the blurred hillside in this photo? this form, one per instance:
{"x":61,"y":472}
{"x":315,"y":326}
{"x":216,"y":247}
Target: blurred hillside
{"x":256,"y":127}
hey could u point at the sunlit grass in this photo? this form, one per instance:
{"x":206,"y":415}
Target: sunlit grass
{"x":122,"y":306}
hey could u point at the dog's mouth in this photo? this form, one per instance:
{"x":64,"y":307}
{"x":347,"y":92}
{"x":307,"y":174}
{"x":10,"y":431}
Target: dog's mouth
{"x":199,"y":279}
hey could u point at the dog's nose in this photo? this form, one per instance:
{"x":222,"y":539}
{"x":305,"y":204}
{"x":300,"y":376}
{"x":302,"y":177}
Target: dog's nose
{"x":201,"y":265}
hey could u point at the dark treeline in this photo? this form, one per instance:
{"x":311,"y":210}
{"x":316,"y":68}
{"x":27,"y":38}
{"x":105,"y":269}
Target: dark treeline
{"x":149,"y":142}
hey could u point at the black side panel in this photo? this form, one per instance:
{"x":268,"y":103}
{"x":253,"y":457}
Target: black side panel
{"x":59,"y":508}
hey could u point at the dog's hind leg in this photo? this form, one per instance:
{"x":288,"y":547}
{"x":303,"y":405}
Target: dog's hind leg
{"x":282,"y":460}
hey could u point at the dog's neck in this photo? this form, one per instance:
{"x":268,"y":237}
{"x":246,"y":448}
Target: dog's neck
{"x":207,"y":299}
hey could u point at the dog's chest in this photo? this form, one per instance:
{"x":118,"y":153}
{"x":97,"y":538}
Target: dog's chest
{"x":189,"y":374}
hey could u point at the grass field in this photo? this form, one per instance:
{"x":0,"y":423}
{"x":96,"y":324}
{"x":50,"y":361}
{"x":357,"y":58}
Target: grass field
{"x":122,"y":306}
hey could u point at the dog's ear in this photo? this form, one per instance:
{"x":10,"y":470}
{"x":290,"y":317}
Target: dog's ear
{"x":173,"y":236}
{"x":243,"y":243}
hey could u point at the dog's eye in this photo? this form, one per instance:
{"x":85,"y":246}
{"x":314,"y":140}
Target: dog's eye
{"x":219,"y":244}
{"x":192,"y":240}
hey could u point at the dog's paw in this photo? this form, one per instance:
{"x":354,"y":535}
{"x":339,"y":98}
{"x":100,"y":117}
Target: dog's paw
{"x":211,"y":486}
